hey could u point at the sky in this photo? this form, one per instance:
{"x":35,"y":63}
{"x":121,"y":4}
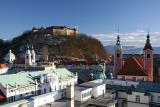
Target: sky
{"x":98,"y":18}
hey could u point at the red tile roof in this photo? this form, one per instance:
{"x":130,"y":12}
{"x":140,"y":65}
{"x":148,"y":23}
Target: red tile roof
{"x":3,"y":66}
{"x":2,"y":97}
{"x":133,"y":66}
{"x":19,"y":61}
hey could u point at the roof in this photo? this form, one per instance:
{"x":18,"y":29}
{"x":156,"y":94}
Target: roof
{"x":3,"y":66}
{"x":28,"y":78}
{"x":133,"y":66}
{"x":19,"y":61}
{"x":148,"y":44}
{"x":99,"y":75}
{"x":93,"y":83}
{"x":15,"y":103}
{"x":143,"y":87}
{"x":149,"y":87}
{"x":81,"y":88}
{"x":102,"y":102}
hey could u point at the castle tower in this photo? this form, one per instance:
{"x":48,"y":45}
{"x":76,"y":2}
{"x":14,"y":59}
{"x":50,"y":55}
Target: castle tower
{"x":148,"y":58}
{"x":117,"y":56}
{"x":28,"y":57}
{"x":33,"y":57}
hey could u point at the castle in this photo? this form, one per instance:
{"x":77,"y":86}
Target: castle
{"x":135,"y":68}
{"x":56,"y":30}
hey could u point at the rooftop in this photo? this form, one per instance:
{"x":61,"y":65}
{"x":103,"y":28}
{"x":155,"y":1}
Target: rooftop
{"x":25,"y":78}
{"x":91,"y":84}
{"x":81,"y":88}
{"x":133,"y":66}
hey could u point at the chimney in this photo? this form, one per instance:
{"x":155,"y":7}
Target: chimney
{"x":70,"y":95}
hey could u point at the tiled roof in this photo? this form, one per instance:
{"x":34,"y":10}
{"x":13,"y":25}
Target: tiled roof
{"x":3,"y":66}
{"x":19,"y":61}
{"x":133,"y":66}
{"x":28,"y":78}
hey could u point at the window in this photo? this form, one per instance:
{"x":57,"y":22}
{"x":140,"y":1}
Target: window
{"x":39,"y":92}
{"x":32,"y":92}
{"x":55,"y":88}
{"x":44,"y":90}
{"x":50,"y":89}
{"x":151,"y":97}
{"x":20,"y":95}
{"x":86,"y":94}
{"x":118,"y":55}
{"x":148,"y":55}
{"x":137,"y":98}
{"x":158,"y":98}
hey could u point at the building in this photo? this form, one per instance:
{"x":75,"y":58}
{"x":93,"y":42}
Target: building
{"x":3,"y":68}
{"x":9,"y":57}
{"x":28,"y":63}
{"x":94,"y":94}
{"x":56,"y":30}
{"x":87,"y":70}
{"x":28,"y":84}
{"x":131,"y":94}
{"x":135,"y":68}
{"x":94,"y":89}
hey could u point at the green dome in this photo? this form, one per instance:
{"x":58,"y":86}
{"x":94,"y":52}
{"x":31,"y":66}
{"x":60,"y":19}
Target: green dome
{"x":110,"y":75}
{"x":100,"y":75}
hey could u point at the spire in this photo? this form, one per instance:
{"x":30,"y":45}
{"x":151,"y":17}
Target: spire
{"x":148,"y":44}
{"x":118,"y":40}
{"x":118,"y":37}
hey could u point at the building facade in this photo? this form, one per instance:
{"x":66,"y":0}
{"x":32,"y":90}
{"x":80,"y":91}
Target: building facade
{"x":57,"y":30}
{"x":135,"y":68}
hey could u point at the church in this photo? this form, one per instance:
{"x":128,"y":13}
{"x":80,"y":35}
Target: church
{"x":135,"y":68}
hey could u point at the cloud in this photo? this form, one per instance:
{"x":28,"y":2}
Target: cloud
{"x":137,"y":38}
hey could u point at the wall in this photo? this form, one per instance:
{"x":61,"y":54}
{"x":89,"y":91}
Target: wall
{"x":130,"y":104}
{"x":121,"y":82}
{"x":78,"y":94}
{"x":155,"y":97}
{"x":45,"y":98}
{"x":143,"y":99}
{"x":98,"y":91}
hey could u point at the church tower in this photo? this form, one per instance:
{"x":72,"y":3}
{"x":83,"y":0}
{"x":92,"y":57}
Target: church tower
{"x":148,"y":58}
{"x":33,"y":58}
{"x":117,"y":56}
{"x":28,"y":57}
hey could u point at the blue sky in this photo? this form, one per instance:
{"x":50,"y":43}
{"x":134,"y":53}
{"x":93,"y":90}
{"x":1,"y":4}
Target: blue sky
{"x":94,"y":17}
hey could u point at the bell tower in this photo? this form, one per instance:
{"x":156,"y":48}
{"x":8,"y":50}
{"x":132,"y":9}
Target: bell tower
{"x":148,"y":58}
{"x":117,"y":56}
{"x":28,"y":57}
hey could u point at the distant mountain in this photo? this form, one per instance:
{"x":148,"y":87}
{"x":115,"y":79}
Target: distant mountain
{"x":131,"y":49}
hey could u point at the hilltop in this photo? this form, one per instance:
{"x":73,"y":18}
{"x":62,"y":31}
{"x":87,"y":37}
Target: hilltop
{"x":76,"y":46}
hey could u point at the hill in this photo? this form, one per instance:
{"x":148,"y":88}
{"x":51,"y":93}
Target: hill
{"x":77,"y":46}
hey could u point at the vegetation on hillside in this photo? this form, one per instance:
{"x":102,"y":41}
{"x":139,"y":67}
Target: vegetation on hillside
{"x":78,"y":46}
